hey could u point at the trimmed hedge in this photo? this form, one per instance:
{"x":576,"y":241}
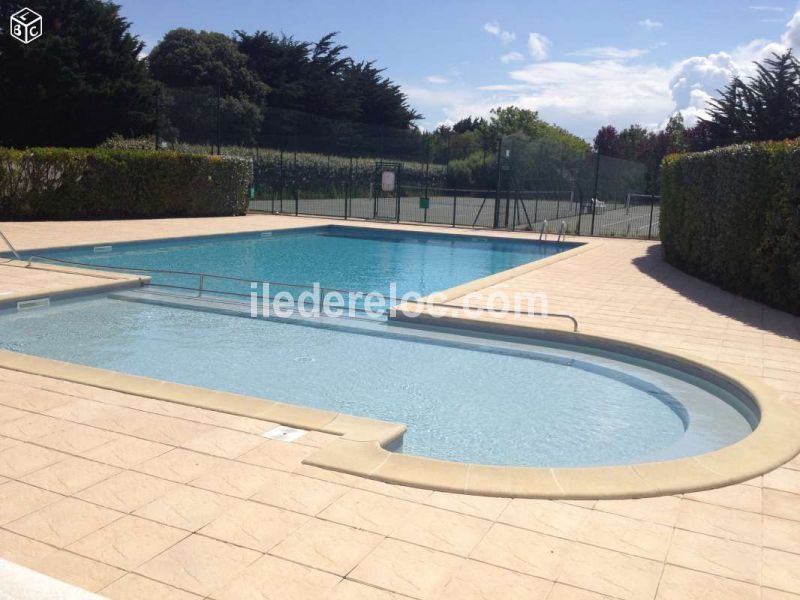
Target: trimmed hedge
{"x":731,"y":216}
{"x":78,"y":184}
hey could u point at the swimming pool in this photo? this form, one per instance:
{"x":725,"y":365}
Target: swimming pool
{"x":347,"y":258}
{"x":464,"y":397}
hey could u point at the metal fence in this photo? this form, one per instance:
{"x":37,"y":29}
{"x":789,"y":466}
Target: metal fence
{"x":526,"y":211}
{"x":306,"y":164}
{"x":540,"y":187}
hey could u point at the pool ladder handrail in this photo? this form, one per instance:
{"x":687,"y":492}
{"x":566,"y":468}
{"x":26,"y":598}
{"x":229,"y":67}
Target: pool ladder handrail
{"x":543,"y":232}
{"x":10,"y":246}
{"x":562,"y":232}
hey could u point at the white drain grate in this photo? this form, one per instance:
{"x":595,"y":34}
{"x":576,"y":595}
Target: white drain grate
{"x":284,"y":434}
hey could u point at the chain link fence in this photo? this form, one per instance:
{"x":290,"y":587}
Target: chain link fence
{"x":312,"y":165}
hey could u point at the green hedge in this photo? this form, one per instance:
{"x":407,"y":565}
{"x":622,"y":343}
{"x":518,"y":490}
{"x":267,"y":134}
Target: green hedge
{"x":732,"y":216}
{"x":77,"y":183}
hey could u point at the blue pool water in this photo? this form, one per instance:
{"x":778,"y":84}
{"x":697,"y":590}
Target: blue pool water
{"x":348,"y":258}
{"x":463,"y":398}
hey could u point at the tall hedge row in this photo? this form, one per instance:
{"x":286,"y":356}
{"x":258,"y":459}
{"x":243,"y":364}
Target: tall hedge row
{"x":77,"y":183}
{"x":732,"y":216}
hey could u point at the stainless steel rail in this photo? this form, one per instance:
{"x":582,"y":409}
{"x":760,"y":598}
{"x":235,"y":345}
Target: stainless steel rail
{"x":562,"y":232}
{"x":10,"y":246}
{"x":202,"y":277}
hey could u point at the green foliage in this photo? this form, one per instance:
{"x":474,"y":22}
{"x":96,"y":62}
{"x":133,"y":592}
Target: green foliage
{"x":272,"y":88}
{"x":196,"y":65}
{"x":732,"y":216}
{"x":74,"y":183}
{"x":309,"y":175}
{"x":81,"y":82}
{"x":635,"y":143}
{"x":766,"y":107}
{"x":511,"y":120}
{"x":470,"y":146}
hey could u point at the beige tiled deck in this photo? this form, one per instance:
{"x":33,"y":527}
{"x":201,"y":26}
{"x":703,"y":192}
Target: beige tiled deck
{"x":137,"y":498}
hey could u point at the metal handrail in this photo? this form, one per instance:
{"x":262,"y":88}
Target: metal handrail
{"x":10,"y":245}
{"x":562,"y":232}
{"x":203,"y":276}
{"x":495,"y":310}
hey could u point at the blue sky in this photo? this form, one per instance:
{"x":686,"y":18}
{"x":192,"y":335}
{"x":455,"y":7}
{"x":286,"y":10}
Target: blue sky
{"x":581,"y":64}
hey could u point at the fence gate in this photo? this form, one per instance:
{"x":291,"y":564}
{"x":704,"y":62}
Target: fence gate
{"x":386,"y":191}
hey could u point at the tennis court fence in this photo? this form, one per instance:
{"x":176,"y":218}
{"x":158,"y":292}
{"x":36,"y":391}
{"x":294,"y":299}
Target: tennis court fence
{"x":548,"y":212}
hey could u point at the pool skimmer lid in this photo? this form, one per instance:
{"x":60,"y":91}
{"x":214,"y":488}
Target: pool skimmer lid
{"x":284,"y":434}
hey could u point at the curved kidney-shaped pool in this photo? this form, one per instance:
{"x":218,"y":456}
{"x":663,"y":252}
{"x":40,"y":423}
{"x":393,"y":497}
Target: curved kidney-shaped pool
{"x":463,"y":397}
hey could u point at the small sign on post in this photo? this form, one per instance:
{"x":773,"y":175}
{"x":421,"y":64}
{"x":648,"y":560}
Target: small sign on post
{"x":387,"y":181}
{"x":424,"y":202}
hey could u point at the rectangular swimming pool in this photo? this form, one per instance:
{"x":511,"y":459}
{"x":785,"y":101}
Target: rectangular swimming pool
{"x":337,"y":257}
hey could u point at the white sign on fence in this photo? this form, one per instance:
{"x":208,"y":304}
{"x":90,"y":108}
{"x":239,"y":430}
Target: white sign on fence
{"x":387,"y":181}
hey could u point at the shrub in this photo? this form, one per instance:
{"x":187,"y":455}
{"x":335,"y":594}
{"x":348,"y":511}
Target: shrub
{"x":74,"y":183}
{"x":307,"y":174}
{"x":732,"y":216}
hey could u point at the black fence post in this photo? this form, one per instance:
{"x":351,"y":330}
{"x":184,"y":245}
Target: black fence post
{"x":283,"y":181}
{"x":508,"y":205}
{"x":158,"y":115}
{"x":514,"y":216}
{"x":295,"y":189}
{"x":652,"y":208}
{"x":349,"y":193}
{"x":219,"y":119}
{"x":496,"y":221}
{"x":455,"y":201}
{"x":594,"y":193}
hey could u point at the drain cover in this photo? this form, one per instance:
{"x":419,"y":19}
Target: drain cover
{"x":284,"y":434}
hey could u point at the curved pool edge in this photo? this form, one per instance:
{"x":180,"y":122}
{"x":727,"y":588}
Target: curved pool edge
{"x":361,"y":448}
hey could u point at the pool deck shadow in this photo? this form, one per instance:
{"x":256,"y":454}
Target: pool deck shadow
{"x":743,"y":310}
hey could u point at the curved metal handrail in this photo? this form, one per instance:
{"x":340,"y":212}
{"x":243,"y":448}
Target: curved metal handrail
{"x":10,"y":246}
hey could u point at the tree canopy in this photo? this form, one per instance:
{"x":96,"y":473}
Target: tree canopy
{"x":277,"y":85}
{"x":766,"y":107}
{"x":470,"y":145}
{"x":79,"y":83}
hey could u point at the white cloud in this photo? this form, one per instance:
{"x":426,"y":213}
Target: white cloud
{"x":603,"y":85}
{"x":791,"y":38}
{"x":695,"y":81}
{"x":610,"y":53}
{"x":493,"y":28}
{"x":538,"y":46}
{"x":766,"y":8}
{"x":437,"y":79}
{"x":511,"y":57}
{"x":597,"y":91}
{"x":650,"y":24}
